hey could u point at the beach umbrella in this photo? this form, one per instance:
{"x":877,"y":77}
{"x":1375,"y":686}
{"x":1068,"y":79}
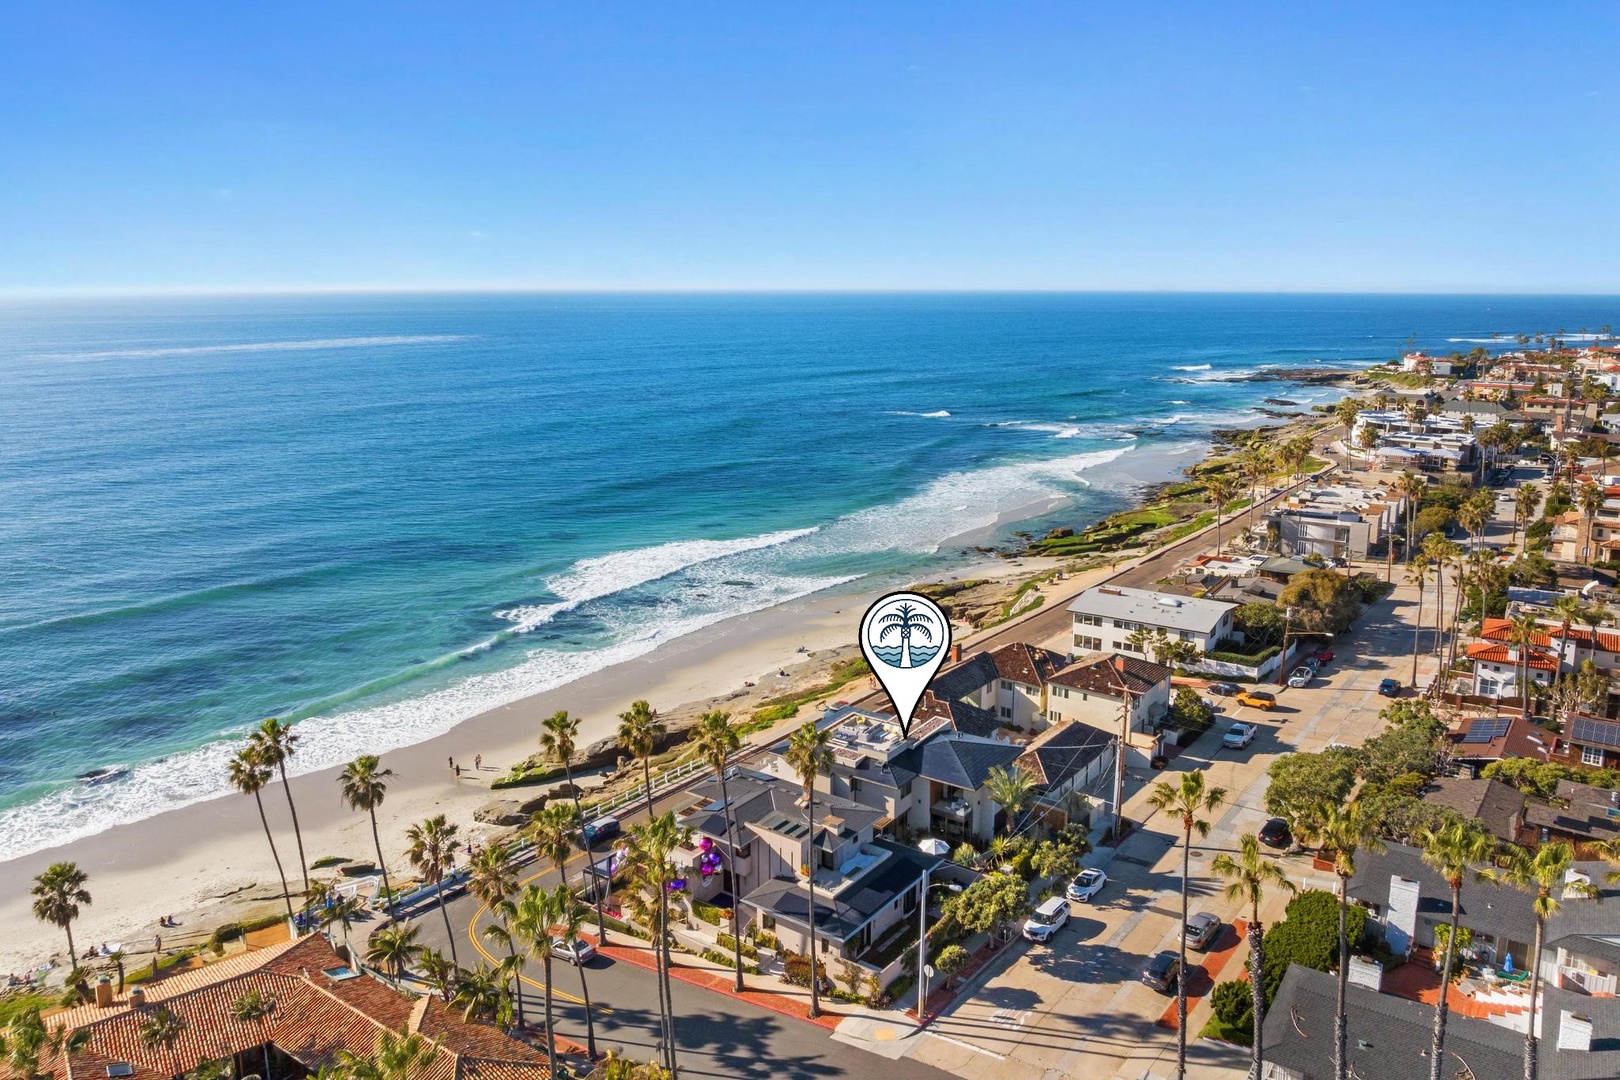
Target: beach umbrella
{"x":933,"y":845}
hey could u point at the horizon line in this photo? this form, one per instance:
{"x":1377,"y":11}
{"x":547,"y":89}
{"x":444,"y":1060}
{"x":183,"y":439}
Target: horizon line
{"x":177,"y":291}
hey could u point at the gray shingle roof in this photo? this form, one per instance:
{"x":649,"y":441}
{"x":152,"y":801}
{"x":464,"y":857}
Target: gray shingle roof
{"x":842,"y":915}
{"x":766,"y":801}
{"x":1592,"y":814}
{"x":952,"y":757}
{"x":1062,"y":751}
{"x":1151,"y":608}
{"x":1495,"y":805}
{"x":1387,"y":1036}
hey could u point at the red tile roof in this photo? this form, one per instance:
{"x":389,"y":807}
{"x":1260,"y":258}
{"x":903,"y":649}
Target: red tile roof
{"x":315,"y":1016}
{"x":1501,"y":654}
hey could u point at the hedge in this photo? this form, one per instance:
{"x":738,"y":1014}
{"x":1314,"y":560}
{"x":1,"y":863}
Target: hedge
{"x":726,"y":960}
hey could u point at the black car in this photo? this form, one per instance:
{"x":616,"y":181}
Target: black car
{"x":1163,"y":972}
{"x":1274,"y":833}
{"x":1390,"y":688}
{"x":1222,"y":689}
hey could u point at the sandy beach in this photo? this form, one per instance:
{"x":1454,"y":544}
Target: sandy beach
{"x":207,"y":863}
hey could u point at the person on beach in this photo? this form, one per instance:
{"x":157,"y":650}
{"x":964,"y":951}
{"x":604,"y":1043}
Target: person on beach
{"x":478,"y":762}
{"x":458,"y":772}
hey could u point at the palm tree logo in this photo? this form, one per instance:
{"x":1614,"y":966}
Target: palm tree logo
{"x":906,"y":620}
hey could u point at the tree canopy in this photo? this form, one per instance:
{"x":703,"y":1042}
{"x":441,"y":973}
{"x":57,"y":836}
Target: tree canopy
{"x":1322,"y":600}
{"x":1300,"y":783}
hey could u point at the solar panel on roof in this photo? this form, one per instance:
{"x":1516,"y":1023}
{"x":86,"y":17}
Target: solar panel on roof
{"x":1484,"y":730}
{"x":1594,"y":732}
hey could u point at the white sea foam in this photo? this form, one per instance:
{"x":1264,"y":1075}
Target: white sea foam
{"x":262,"y":346}
{"x":1056,"y":430}
{"x":1178,"y":401}
{"x":936,"y":415}
{"x":732,"y":577}
{"x":591,"y":579}
{"x":1512,"y":341}
{"x":1192,"y":367}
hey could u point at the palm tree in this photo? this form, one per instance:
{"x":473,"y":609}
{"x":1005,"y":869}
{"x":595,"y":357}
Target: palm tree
{"x":1186,"y":800}
{"x":906,"y":619}
{"x":1590,"y":499}
{"x":570,"y":918}
{"x":715,"y":740}
{"x":26,"y":1042}
{"x":1412,"y":488}
{"x":1543,"y":874}
{"x":249,"y":775}
{"x":537,"y":912}
{"x":396,"y":1057}
{"x":557,"y":735}
{"x":1437,"y":549}
{"x":1595,"y":617}
{"x":1343,"y":830}
{"x":809,"y":754}
{"x":432,"y":854}
{"x":1248,"y":875}
{"x":1452,"y":851}
{"x":1346,"y":412}
{"x":1417,"y":575}
{"x":365,"y":785}
{"x":440,"y":971}
{"x":492,"y":879}
{"x":1256,"y":464}
{"x":395,"y":948}
{"x":273,"y":743}
{"x":639,"y":732}
{"x":58,"y":893}
{"x":1525,"y":631}
{"x":1222,"y":489}
{"x":651,"y":844}
{"x":1525,"y":501}
{"x":1011,"y":788}
{"x":162,"y":1027}
{"x":482,"y":993}
{"x":256,"y":1007}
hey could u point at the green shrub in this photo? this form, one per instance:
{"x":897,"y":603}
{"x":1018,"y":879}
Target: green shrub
{"x":728,"y":942}
{"x":1309,"y":936}
{"x":726,"y":960}
{"x":796,"y":969}
{"x":1234,"y":1008}
{"x":524,"y":774}
{"x":714,"y":916}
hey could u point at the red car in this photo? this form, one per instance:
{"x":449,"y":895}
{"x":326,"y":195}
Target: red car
{"x":1324,"y":656}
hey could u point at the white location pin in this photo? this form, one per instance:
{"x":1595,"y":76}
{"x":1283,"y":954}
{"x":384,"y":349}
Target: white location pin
{"x":905,"y":637}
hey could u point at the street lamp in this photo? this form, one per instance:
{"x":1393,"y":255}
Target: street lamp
{"x":922,"y":939}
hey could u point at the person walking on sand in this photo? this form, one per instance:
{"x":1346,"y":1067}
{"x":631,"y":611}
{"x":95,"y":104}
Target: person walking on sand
{"x":458,"y":772}
{"x":478,"y":762}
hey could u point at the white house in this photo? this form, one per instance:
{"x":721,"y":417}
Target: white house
{"x":1106,"y":615}
{"x":1098,"y":691}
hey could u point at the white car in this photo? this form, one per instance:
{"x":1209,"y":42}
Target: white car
{"x":1302,"y":676}
{"x":576,"y":952}
{"x":1238,"y":736}
{"x":1047,"y":919}
{"x":1087,"y":883}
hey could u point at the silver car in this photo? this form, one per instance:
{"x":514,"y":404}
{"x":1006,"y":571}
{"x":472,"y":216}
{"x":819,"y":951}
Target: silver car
{"x":1202,"y":930}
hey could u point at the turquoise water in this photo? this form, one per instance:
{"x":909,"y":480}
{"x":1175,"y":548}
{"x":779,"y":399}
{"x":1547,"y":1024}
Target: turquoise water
{"x":381,"y":515}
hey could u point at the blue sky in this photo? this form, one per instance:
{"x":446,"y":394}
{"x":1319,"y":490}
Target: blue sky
{"x":1401,"y":147}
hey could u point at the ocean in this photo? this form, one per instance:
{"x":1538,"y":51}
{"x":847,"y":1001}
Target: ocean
{"x":379,"y":515}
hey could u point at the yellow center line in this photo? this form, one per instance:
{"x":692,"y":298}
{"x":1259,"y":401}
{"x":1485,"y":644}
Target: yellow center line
{"x":472,"y":935}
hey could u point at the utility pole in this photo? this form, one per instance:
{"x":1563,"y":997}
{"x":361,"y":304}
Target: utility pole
{"x":1282,"y":658}
{"x":1119,"y":763}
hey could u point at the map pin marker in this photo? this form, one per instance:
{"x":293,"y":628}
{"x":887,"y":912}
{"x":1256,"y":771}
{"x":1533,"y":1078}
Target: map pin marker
{"x":906,"y":638}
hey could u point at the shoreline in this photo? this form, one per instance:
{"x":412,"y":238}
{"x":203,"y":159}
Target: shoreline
{"x":216,"y":846}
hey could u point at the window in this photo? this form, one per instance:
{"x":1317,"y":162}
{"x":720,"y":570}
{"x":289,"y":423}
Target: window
{"x":1006,"y":684}
{"x":1592,"y":755}
{"x":1090,"y":620}
{"x":1060,"y":691}
{"x":905,"y":790}
{"x":1090,"y":644}
{"x":1053,"y":716}
{"x":1006,"y":711}
{"x":854,"y":786}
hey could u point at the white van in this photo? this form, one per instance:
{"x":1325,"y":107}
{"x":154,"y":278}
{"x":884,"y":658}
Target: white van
{"x":1047,"y":920}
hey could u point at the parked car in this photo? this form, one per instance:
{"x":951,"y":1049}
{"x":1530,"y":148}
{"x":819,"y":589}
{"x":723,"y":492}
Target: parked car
{"x":1087,"y":883}
{"x":1238,"y":736}
{"x":1323,"y":655}
{"x":602,"y":828}
{"x":1275,"y":833}
{"x":1163,"y":972}
{"x":1257,"y":699}
{"x":1390,"y":688}
{"x":1047,"y":919}
{"x":1222,"y":689}
{"x":576,"y":952}
{"x":1301,"y":676}
{"x":1202,"y":930}
{"x":1311,"y":662}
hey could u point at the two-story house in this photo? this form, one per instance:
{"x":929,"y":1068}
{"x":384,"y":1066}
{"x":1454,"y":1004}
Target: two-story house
{"x":1590,"y":740}
{"x":1106,"y":615}
{"x":1009,"y":682}
{"x":1110,"y":691}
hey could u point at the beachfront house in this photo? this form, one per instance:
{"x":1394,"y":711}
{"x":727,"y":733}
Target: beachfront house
{"x":1009,"y":683}
{"x":1336,"y":520}
{"x":1106,"y":615}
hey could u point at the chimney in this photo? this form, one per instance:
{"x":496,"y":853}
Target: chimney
{"x":1574,"y":1032}
{"x":137,"y":996}
{"x":956,"y":652}
{"x":104,"y":991}
{"x":834,"y":824}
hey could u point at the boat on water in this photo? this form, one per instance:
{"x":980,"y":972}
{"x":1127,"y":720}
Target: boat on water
{"x":104,"y":775}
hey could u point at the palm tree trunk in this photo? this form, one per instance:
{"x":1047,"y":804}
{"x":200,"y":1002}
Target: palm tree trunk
{"x":381,"y":866}
{"x":73,"y":957}
{"x":1417,"y":631}
{"x":264,"y":1030}
{"x":669,"y":993}
{"x":663,"y":989}
{"x":1438,"y":1047}
{"x":1257,"y":990}
{"x":1439,"y":609}
{"x":1181,"y":972}
{"x":298,"y":835}
{"x":551,"y":1038}
{"x":286,"y":893}
{"x":646,"y":775}
{"x":590,"y":1021}
{"x":1535,"y":990}
{"x":602,"y":885}
{"x":517,"y":981}
{"x":815,"y":982}
{"x":454,"y":959}
{"x":736,"y":888}
{"x":1341,"y":1061}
